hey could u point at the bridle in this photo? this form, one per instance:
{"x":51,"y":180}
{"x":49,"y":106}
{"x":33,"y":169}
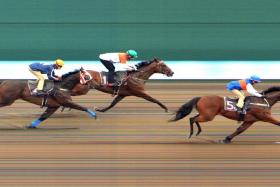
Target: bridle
{"x":85,"y":77}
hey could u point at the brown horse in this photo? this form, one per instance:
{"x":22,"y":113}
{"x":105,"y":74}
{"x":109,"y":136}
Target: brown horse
{"x":210,"y":106}
{"x":132,"y":85}
{"x":11,"y":90}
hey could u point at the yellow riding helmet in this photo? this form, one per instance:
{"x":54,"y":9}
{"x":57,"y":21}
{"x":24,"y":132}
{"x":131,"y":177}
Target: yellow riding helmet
{"x":59,"y":63}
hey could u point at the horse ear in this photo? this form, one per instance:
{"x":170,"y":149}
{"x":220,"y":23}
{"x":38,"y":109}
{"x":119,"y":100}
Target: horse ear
{"x":156,"y":59}
{"x":82,"y":69}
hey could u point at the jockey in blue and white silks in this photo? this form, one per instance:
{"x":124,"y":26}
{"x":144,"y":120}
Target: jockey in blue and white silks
{"x":38,"y":69}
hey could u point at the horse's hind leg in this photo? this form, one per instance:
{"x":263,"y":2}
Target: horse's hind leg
{"x":48,"y":112}
{"x":192,"y":121}
{"x":199,"y":128}
{"x":116,"y":99}
{"x":238,"y":131}
{"x":201,"y":117}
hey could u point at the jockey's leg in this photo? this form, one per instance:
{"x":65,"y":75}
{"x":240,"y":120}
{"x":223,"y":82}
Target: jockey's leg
{"x":40,"y":78}
{"x":241,"y":98}
{"x":240,"y":104}
{"x":111,"y":70}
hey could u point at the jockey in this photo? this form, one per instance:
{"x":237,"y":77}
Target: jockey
{"x":38,"y":69}
{"x":244,"y":84}
{"x":109,"y":59}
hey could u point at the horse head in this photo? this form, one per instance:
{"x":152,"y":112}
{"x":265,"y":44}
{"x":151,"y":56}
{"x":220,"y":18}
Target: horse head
{"x":85,"y":76}
{"x":70,"y":79}
{"x":162,"y":68}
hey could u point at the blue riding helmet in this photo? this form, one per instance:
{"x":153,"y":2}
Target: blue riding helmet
{"x":255,"y":78}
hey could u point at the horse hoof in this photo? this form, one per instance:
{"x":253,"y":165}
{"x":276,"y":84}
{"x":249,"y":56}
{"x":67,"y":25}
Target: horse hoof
{"x":100,"y":109}
{"x":225,"y":141}
{"x":30,"y":127}
{"x":91,"y":114}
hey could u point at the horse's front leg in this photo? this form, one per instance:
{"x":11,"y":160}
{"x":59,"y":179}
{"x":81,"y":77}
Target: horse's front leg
{"x":116,"y":99}
{"x":151,"y":99}
{"x":266,"y":117}
{"x":66,"y":101}
{"x":245,"y":125}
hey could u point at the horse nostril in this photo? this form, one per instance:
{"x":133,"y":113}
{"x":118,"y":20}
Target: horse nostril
{"x":171,"y":74}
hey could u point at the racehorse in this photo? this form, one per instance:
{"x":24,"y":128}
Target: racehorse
{"x":210,"y":106}
{"x":11,"y":90}
{"x":132,"y":85}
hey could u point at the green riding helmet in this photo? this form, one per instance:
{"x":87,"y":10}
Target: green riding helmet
{"x":132,"y":53}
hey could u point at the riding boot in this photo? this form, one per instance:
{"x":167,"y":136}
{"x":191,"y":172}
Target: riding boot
{"x":111,"y":77}
{"x":240,"y":114}
{"x":112,"y":83}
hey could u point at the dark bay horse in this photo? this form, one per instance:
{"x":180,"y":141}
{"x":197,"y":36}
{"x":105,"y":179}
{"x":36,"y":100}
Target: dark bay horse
{"x":210,"y":106}
{"x":132,"y":85}
{"x":11,"y":90}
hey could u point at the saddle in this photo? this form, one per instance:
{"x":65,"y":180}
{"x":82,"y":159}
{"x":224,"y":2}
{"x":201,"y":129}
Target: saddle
{"x":118,"y":77}
{"x":47,"y":89}
{"x":249,"y":101}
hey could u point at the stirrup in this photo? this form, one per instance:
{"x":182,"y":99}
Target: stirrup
{"x":239,"y":110}
{"x":38,"y":93}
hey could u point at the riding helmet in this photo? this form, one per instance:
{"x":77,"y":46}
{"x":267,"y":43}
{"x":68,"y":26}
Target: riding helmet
{"x":255,"y":78}
{"x":132,"y":53}
{"x":59,"y":63}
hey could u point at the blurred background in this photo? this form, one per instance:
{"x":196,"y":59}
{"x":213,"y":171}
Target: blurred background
{"x":199,"y":39}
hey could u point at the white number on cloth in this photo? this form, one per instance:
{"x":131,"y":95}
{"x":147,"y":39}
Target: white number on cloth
{"x":230,"y":105}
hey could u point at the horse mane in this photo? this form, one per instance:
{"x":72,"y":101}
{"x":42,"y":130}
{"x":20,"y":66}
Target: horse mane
{"x":145,"y":63}
{"x":69,"y":73}
{"x":271,"y":89}
{"x":142,"y":64}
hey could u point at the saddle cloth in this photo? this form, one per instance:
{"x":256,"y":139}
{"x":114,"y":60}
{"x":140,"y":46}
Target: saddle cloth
{"x":230,"y":104}
{"x":48,"y":85}
{"x":118,"y":76}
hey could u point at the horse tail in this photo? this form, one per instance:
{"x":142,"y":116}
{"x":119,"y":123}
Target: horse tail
{"x":185,"y":109}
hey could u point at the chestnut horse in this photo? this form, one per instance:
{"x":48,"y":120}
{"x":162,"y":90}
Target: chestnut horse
{"x":210,"y":106}
{"x":132,"y":85}
{"x":11,"y":90}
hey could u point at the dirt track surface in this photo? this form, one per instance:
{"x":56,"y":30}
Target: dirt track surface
{"x":133,"y":145}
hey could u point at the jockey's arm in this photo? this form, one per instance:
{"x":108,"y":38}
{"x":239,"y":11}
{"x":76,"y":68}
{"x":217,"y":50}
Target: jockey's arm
{"x":51,"y":75}
{"x":251,"y":90}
